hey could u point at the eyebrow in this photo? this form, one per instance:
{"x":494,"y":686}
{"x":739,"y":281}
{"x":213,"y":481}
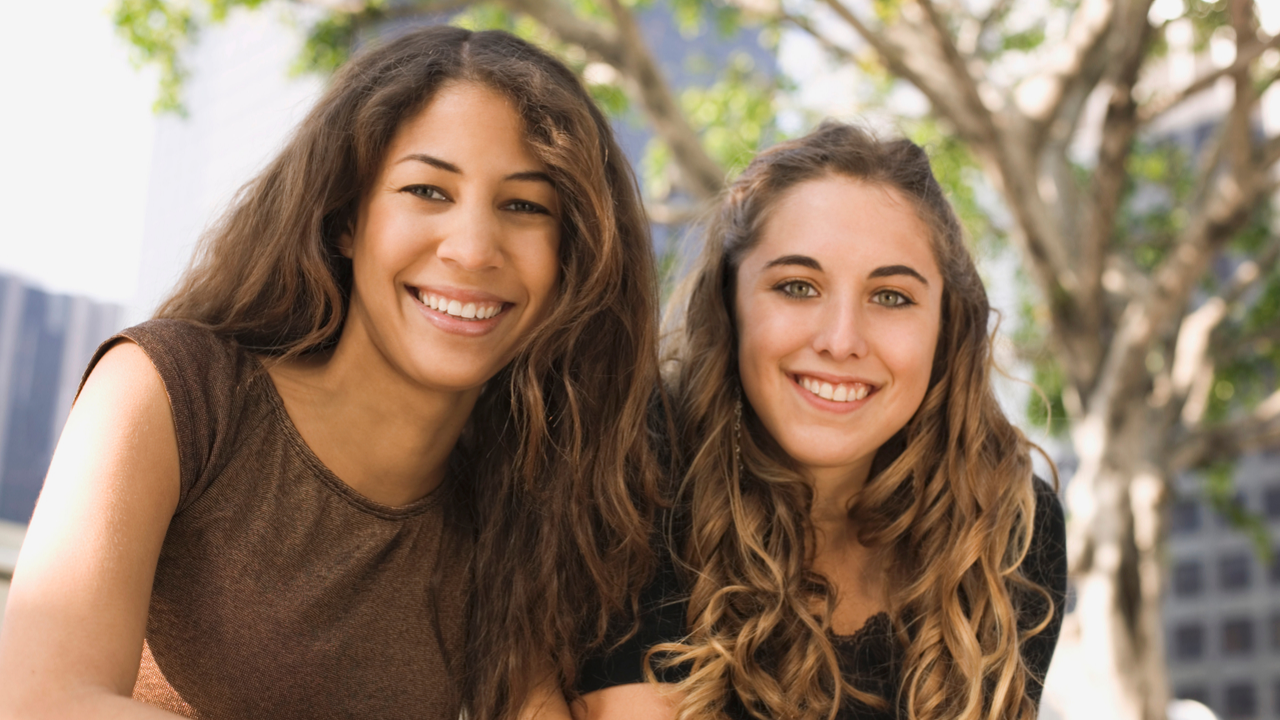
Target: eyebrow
{"x":812,"y":264}
{"x":435,"y":162}
{"x":801,"y":260}
{"x":891,"y":270}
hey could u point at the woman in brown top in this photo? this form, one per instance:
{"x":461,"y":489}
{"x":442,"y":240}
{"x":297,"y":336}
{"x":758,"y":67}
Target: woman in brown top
{"x":375,"y":383}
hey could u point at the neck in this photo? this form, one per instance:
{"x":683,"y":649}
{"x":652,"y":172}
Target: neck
{"x":834,"y":490}
{"x":855,"y":571}
{"x":385,"y":436}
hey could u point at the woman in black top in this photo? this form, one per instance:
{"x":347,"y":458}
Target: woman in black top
{"x":858,"y":532}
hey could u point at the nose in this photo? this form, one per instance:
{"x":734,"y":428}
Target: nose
{"x":843,"y":331}
{"x":473,"y":241}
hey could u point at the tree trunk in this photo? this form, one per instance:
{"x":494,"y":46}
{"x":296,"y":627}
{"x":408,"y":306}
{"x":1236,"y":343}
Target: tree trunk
{"x":1116,"y":503}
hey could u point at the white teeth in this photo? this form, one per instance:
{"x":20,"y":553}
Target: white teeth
{"x":469,"y":311}
{"x":841,"y":392}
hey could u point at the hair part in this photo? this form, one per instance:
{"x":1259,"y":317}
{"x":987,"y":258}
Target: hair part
{"x":950,"y":500}
{"x":559,"y":496}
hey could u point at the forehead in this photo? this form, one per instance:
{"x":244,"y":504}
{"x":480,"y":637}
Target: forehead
{"x":846,"y":225}
{"x":466,"y":117}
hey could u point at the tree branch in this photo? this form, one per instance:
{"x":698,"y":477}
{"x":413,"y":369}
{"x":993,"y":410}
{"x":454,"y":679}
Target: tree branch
{"x":1074,"y":68}
{"x":596,"y":38}
{"x":1260,"y":430}
{"x":908,"y":53}
{"x":626,"y":50}
{"x":1245,"y":56}
{"x":959,"y":69}
{"x":1119,"y":128}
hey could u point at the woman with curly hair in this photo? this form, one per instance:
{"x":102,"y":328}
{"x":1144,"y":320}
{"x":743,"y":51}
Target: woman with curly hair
{"x":858,"y":533}
{"x":382,"y":453}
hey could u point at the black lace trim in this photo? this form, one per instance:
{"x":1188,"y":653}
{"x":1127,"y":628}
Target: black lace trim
{"x":877,"y":625}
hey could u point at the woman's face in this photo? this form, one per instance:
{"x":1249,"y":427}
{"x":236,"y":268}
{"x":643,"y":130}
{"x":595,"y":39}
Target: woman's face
{"x":455,"y":248}
{"x":838,"y":307}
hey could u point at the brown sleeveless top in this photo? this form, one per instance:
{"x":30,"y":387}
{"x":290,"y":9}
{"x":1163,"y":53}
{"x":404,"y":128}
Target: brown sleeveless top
{"x":281,"y":592}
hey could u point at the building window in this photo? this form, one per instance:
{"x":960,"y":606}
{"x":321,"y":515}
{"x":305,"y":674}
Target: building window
{"x":1188,"y":578}
{"x":1237,"y":637}
{"x":1275,"y":566}
{"x":1184,"y":518}
{"x":1239,"y":503}
{"x":1241,"y":700}
{"x":1271,"y":502}
{"x":1188,"y":641}
{"x":1199,"y":693}
{"x":1233,"y":571}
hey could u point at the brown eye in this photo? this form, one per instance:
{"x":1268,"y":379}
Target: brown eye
{"x":426,"y":192}
{"x":524,"y":206}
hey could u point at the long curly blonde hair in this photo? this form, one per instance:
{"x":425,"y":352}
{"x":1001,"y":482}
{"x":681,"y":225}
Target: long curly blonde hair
{"x":950,"y":502}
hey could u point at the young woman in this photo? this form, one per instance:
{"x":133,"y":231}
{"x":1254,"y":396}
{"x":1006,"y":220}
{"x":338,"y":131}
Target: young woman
{"x":418,"y":348}
{"x":859,"y":532}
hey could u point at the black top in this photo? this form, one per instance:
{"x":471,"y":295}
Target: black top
{"x":870,"y":658}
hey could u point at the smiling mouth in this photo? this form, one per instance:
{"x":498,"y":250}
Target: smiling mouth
{"x":474,"y":311}
{"x":835,"y":392}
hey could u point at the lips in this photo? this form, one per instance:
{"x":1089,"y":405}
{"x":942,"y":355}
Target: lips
{"x":835,"y":391}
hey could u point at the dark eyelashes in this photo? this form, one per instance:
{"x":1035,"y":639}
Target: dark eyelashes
{"x":431,"y":192}
{"x":425,"y":192}
{"x":528,"y":207}
{"x":803,"y":290}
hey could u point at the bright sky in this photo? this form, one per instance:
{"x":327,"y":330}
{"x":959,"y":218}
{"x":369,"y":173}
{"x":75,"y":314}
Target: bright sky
{"x":75,"y":148}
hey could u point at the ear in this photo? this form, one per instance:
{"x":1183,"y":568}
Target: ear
{"x":346,"y":243}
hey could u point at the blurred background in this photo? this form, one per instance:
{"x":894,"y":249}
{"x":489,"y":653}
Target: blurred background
{"x":1113,"y":162}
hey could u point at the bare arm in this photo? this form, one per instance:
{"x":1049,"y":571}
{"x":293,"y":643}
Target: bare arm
{"x":77,"y":611}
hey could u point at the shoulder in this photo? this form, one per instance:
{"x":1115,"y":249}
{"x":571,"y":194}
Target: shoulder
{"x":201,"y":376}
{"x":1049,"y":527}
{"x":190,"y":358}
{"x":182,"y":345}
{"x":1045,"y":563}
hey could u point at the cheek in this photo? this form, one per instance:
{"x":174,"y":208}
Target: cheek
{"x":766,"y":336}
{"x":908,"y":353}
{"x":539,"y":260}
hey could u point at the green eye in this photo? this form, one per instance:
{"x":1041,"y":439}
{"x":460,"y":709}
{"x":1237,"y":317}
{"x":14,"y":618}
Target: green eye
{"x":890,"y":298}
{"x":796,"y":289}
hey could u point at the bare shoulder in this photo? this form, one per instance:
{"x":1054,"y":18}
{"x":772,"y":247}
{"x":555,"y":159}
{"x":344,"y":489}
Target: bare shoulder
{"x":635,"y":701}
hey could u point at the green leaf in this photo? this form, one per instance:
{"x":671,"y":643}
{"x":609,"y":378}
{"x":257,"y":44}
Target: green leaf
{"x":157,"y":32}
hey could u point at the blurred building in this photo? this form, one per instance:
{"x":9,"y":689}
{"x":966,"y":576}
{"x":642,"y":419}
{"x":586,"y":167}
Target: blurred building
{"x":1222,"y":608}
{"x":45,"y":342}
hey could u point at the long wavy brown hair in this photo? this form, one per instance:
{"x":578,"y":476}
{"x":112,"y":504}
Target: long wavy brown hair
{"x":949,"y":504}
{"x":558,"y":479}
